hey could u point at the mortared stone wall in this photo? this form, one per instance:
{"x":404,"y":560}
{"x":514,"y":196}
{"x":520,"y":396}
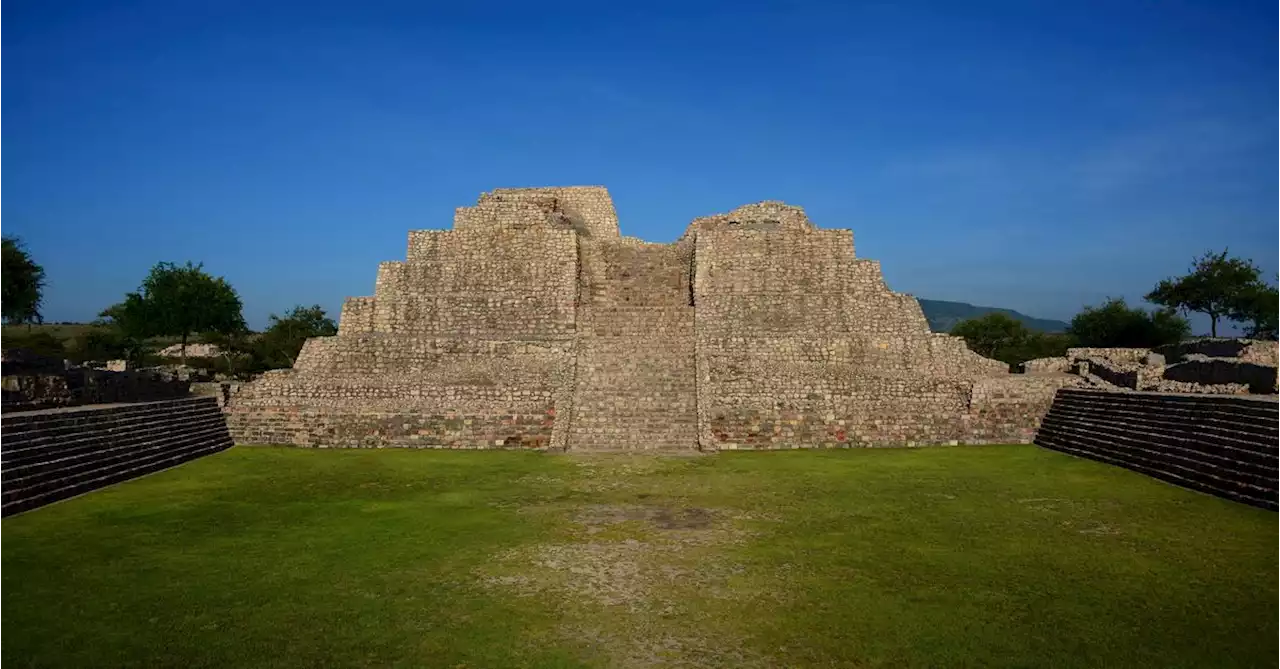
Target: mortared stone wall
{"x":533,"y":323}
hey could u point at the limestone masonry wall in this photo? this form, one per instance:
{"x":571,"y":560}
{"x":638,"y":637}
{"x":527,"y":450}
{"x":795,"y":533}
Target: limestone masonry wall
{"x":78,"y":386}
{"x":1208,"y":366}
{"x":54,"y":454}
{"x":533,"y":323}
{"x":1224,"y":446}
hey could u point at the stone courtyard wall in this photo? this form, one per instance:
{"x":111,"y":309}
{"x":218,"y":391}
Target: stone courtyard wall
{"x":1217,"y":444}
{"x":28,"y":384}
{"x":50,"y":455}
{"x":533,"y":323}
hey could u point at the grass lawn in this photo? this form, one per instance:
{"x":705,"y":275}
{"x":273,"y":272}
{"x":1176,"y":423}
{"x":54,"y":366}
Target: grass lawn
{"x":948,"y":557}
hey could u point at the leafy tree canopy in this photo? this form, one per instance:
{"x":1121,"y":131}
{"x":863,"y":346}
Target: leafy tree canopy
{"x":276,"y":347}
{"x":280,"y":343}
{"x":1217,"y":285}
{"x":23,"y":283}
{"x":999,"y":336}
{"x":1257,"y":307}
{"x":178,"y":300}
{"x":1117,"y":324}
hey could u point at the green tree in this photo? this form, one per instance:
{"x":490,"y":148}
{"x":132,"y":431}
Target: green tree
{"x":278,"y":346}
{"x":1215,"y":286}
{"x":1116,"y":324}
{"x":994,"y":335}
{"x":237,"y":349}
{"x":39,"y":342}
{"x":177,"y":301}
{"x":1258,"y":307}
{"x":23,"y":283}
{"x":1004,"y":338}
{"x":105,"y":342}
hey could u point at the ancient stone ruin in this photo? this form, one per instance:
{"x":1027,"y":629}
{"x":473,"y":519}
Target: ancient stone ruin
{"x":534,"y":323}
{"x":1206,"y":366}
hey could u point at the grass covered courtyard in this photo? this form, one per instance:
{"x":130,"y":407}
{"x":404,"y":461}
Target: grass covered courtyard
{"x":1008,"y":556}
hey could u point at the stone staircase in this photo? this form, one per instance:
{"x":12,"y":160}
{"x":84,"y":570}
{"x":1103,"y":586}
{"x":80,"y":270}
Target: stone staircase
{"x":635,"y":386}
{"x":55,"y":454}
{"x":1225,"y":446}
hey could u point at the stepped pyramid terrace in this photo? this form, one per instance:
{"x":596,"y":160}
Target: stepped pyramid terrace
{"x":534,"y":323}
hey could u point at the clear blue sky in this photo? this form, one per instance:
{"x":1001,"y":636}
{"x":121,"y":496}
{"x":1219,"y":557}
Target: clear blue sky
{"x":1033,"y":155}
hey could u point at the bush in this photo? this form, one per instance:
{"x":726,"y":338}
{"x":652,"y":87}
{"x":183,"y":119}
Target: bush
{"x":999,"y":336}
{"x":1116,"y":324}
{"x":39,"y":341}
{"x":103,"y":343}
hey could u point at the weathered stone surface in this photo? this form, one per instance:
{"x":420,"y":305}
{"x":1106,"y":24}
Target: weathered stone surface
{"x":79,"y":386}
{"x":193,"y":351}
{"x":1225,"y":446}
{"x":1258,"y":379}
{"x":534,"y":324}
{"x":1249,"y":366}
{"x":54,"y":454}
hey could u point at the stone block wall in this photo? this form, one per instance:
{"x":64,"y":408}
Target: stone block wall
{"x":1182,"y":367}
{"x":1258,"y":352}
{"x":55,"y":454}
{"x":636,"y":387}
{"x":534,"y":323}
{"x":1258,"y":379}
{"x":389,"y":390}
{"x":1118,"y":354}
{"x":1225,"y":446}
{"x":79,"y":386}
{"x":800,"y":344}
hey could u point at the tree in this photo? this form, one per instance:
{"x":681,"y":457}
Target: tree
{"x":1004,"y":338}
{"x":994,"y":335}
{"x":105,"y":342}
{"x":280,"y":343}
{"x":1257,"y":306}
{"x":178,"y":301}
{"x":23,"y":284}
{"x":1116,"y":324}
{"x":1215,"y":285}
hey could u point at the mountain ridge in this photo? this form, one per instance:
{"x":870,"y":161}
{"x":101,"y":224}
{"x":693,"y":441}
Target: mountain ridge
{"x":944,"y":314}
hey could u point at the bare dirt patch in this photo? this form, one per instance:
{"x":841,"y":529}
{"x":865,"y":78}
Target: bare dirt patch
{"x":638,"y":584}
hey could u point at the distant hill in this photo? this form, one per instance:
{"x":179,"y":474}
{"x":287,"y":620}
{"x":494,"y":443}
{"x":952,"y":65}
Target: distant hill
{"x":943,"y":316}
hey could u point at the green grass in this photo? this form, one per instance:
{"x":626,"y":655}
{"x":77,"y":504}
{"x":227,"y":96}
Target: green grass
{"x":967,"y":556}
{"x":60,"y":331}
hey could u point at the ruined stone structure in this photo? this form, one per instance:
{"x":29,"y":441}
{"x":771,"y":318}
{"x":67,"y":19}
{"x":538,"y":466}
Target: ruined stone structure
{"x":1222,"y":445}
{"x":30,"y":381}
{"x":534,"y":324}
{"x":1213,"y":366}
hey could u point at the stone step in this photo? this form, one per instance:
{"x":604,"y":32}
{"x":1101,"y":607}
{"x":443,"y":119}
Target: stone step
{"x":62,"y":453}
{"x":1161,"y":470}
{"x":1225,"y":446}
{"x":17,"y":451}
{"x":1248,"y":421}
{"x":636,"y":386}
{"x":1256,"y":497}
{"x":1204,"y":433}
{"x":1252,"y":473}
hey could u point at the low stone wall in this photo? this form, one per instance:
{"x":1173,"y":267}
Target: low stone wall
{"x":54,"y":454}
{"x":1259,"y":379}
{"x":996,"y":410}
{"x":1045,"y":366}
{"x":81,"y":386}
{"x":1119,"y":354}
{"x":1223,"y":445}
{"x":357,"y":428}
{"x":1255,"y":351}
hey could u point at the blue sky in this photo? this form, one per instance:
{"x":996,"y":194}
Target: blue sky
{"x":1032,"y":155}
